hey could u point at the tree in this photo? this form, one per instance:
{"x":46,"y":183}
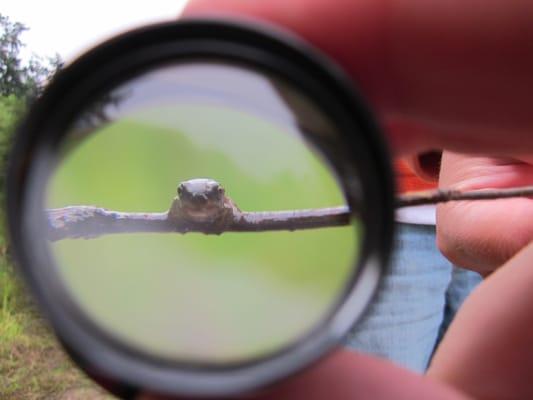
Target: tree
{"x":23,"y":80}
{"x":20,"y":83}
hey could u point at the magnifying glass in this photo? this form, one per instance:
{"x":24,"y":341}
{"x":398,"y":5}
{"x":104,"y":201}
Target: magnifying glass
{"x":200,"y":208}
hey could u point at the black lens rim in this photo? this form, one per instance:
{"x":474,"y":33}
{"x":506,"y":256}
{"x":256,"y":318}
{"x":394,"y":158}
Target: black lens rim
{"x":126,"y":55}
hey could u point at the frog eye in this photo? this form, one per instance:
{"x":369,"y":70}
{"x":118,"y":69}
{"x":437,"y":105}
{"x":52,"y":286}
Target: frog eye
{"x":220,"y":190}
{"x":180,"y":190}
{"x":212,"y":194}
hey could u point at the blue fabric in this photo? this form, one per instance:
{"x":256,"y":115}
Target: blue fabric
{"x":416,"y":302}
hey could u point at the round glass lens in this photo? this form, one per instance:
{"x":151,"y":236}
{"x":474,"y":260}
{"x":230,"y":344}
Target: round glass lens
{"x":165,"y":214}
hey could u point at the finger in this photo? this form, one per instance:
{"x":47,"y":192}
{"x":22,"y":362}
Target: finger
{"x":487,"y":350}
{"x":483,"y":235}
{"x":354,"y":38}
{"x":453,"y":66}
{"x":349,"y":375}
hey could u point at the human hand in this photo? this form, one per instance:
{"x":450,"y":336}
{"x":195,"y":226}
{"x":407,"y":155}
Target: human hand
{"x":482,"y":235}
{"x":449,"y":74}
{"x":487,"y":350}
{"x":429,"y":69}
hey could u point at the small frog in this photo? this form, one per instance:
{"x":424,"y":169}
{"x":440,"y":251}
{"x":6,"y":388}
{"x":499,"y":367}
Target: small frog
{"x":203,"y":201}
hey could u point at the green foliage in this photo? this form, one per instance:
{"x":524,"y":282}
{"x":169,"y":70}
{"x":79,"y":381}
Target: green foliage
{"x":11,"y":79}
{"x":20,"y":83}
{"x":11,"y":110}
{"x":23,"y":80}
{"x":10,"y":326}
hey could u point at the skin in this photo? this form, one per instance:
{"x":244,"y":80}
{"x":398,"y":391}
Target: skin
{"x":448,"y":74}
{"x":484,"y":235}
{"x":346,"y":375}
{"x":487,"y":350}
{"x":451,"y":75}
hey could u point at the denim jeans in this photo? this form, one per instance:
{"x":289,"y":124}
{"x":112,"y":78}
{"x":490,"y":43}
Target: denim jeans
{"x":415,"y":303}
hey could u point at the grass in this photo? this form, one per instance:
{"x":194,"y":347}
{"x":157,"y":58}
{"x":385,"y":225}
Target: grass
{"x":32,"y":364}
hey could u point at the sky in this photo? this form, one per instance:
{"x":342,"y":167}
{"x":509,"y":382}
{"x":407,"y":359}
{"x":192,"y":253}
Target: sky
{"x":71,"y":27}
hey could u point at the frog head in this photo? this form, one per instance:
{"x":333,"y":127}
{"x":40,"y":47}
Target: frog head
{"x":201,"y":197}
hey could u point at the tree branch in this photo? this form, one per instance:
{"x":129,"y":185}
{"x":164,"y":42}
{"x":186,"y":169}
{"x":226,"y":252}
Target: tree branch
{"x":446,"y":195}
{"x":89,"y":222}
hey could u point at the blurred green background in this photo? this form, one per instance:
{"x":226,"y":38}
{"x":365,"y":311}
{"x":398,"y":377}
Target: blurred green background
{"x":196,"y":297}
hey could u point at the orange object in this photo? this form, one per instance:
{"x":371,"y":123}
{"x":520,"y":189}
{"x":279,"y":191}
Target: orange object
{"x":417,"y":173}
